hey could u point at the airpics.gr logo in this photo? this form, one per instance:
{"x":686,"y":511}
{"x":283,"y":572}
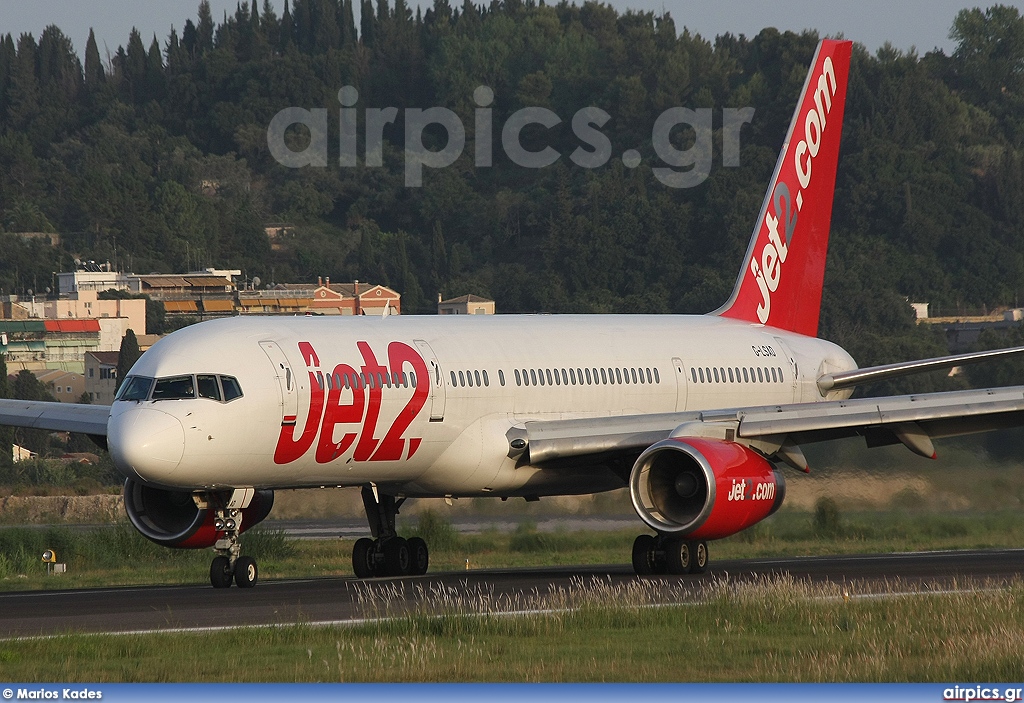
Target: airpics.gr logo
{"x":684,"y":168}
{"x":767,"y":268}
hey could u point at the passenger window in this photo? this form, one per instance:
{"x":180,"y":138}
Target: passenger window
{"x":174,"y":388}
{"x":604,"y":378}
{"x":657,"y":377}
{"x":486,"y":382}
{"x":548,"y":374}
{"x":462,"y":379}
{"x":208,"y":387}
{"x":632,"y":374}
{"x":231,"y":388}
{"x":760,"y":377}
{"x":731,"y":378}
{"x":701,"y":375}
{"x":412,"y":379}
{"x":648,"y":375}
{"x":558,"y":379}
{"x":455,"y":381}
{"x":565,"y":378}
{"x":716,"y":375}
{"x":135,"y":388}
{"x":517,"y":377}
{"x":587,"y":372}
{"x":774,"y":379}
{"x":533,"y":376}
{"x":572,"y":376}
{"x":693,"y":374}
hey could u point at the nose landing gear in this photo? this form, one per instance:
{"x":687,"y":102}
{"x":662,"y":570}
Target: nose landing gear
{"x":387,"y":554}
{"x":229,"y":565}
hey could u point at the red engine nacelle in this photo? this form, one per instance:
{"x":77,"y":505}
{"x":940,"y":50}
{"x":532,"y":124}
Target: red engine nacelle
{"x":172,"y":518}
{"x":704,"y":488}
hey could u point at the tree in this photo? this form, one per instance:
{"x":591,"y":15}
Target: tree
{"x":93,"y":66}
{"x":6,"y":433}
{"x":129,"y":354}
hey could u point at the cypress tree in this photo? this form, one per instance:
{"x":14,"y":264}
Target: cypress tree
{"x":128,"y":355}
{"x":93,"y":65}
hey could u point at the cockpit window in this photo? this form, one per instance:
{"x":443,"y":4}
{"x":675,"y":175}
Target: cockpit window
{"x":207,"y":386}
{"x":174,"y":388}
{"x":231,"y":388}
{"x":135,"y":388}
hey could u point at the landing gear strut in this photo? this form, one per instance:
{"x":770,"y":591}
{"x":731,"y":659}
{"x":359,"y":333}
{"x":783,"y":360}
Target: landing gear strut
{"x":229,"y":565}
{"x":387,"y":554}
{"x":669,"y":555}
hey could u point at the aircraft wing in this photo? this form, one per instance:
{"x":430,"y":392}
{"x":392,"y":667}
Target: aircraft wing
{"x":59,"y":417}
{"x":779,"y":429}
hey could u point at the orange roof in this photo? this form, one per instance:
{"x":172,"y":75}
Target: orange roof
{"x":218,"y":305}
{"x":180,"y":305}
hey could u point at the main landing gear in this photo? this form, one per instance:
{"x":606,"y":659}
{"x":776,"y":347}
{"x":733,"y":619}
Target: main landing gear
{"x":229,"y":565}
{"x":669,"y":555}
{"x":387,"y":554}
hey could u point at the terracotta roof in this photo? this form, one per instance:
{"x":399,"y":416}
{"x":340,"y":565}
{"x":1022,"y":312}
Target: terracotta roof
{"x":467,"y":299}
{"x":108,"y":358}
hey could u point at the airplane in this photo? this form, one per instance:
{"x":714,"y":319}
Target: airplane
{"x":696,"y":414}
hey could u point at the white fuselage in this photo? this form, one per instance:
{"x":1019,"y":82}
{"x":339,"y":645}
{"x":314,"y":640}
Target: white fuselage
{"x":331,"y":401}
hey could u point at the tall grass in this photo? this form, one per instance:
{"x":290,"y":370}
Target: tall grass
{"x":766,"y":629}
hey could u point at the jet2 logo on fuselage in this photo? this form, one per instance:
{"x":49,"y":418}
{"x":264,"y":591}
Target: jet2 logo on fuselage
{"x":354,"y":407}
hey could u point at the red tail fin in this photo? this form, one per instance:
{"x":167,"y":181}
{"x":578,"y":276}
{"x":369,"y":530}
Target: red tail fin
{"x":782,"y":275}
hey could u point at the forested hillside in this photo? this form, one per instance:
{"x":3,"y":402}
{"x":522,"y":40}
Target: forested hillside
{"x":157,"y":158}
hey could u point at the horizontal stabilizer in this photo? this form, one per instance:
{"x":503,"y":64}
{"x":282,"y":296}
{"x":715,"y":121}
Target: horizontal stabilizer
{"x":848,"y":379}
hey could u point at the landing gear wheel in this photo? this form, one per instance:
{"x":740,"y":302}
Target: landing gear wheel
{"x":678,"y":556}
{"x":246,"y":572}
{"x":643,"y":555}
{"x":419,"y":557}
{"x":220,"y":572}
{"x":396,"y":557}
{"x":362,"y":558}
{"x":700,"y":557}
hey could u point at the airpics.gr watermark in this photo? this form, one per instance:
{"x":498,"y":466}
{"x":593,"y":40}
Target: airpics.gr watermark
{"x":684,"y":168}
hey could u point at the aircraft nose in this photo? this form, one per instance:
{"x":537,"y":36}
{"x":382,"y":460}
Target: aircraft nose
{"x":145,"y":441}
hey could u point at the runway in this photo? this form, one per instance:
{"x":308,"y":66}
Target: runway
{"x":337,"y":600}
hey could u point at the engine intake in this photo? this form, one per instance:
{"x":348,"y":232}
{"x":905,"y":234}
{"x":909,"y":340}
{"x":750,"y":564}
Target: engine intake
{"x":172,"y":518}
{"x":704,"y":488}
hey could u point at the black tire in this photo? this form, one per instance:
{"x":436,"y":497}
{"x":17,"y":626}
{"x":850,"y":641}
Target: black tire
{"x":643,"y":555}
{"x":362,"y":558}
{"x":246,"y":572}
{"x":699,"y":563}
{"x":678,"y":556}
{"x":220,"y":572}
{"x":396,"y":557}
{"x":419,"y":557}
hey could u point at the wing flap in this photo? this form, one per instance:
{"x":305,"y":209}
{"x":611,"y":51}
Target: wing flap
{"x":937,"y":414}
{"x":58,"y":417}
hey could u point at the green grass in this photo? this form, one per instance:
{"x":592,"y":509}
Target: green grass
{"x":118,"y":555}
{"x":770,"y":630}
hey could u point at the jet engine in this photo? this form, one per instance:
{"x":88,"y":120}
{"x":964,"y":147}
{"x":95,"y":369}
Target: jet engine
{"x":173,"y":519}
{"x":704,"y":488}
